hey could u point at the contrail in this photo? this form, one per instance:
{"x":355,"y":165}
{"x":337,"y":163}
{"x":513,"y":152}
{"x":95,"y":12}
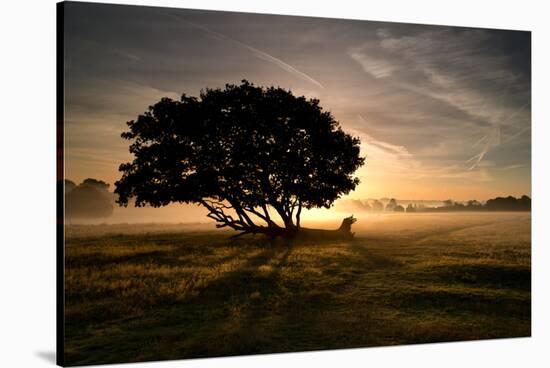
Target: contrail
{"x":494,"y":134}
{"x":258,"y":53}
{"x":480,"y":155}
{"x":480,"y":140}
{"x":516,"y":112}
{"x":512,"y":137}
{"x":495,"y":138}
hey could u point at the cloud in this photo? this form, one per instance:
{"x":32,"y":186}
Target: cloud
{"x":442,"y":64}
{"x":256,"y":52}
{"x":511,"y":167}
{"x":456,"y":68}
{"x":378,"y":68}
{"x":494,"y":138}
{"x":398,"y":163}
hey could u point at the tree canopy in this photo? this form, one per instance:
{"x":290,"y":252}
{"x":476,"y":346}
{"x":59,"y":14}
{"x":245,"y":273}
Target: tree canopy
{"x":89,"y":199}
{"x":248,"y":154}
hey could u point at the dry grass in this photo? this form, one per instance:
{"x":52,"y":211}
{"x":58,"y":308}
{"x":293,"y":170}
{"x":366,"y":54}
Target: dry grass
{"x":415,"y":279}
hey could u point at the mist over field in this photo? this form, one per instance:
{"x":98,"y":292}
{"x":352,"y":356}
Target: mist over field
{"x":167,"y":291}
{"x":195,"y":215}
{"x":368,"y":224}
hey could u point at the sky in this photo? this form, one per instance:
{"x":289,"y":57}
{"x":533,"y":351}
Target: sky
{"x":442,"y":112}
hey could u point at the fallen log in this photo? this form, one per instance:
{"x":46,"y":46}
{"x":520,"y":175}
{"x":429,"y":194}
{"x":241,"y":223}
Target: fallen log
{"x":342,"y":233}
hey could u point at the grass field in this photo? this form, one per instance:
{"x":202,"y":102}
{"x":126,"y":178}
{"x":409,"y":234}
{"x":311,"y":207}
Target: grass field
{"x":135,"y":293}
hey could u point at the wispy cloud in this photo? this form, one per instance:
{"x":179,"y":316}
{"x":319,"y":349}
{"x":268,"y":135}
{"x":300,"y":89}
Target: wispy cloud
{"x":256,"y":52}
{"x":378,"y":68}
{"x":494,"y":137}
{"x":452,"y":68}
{"x":396,"y":161}
{"x":511,"y":167}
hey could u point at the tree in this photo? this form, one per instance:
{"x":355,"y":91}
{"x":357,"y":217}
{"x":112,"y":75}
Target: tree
{"x":391,"y":205}
{"x":68,"y":185}
{"x":377,"y":205}
{"x":509,"y":204}
{"x":365,"y":205}
{"x":98,"y":184}
{"x":89,"y":199}
{"x":248,"y":154}
{"x":353,"y":205}
{"x":524,"y":203}
{"x":473,"y":203}
{"x":399,"y":208}
{"x":448,"y":203}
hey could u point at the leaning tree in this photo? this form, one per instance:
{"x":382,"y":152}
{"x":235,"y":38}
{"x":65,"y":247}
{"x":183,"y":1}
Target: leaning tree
{"x":254,"y":157}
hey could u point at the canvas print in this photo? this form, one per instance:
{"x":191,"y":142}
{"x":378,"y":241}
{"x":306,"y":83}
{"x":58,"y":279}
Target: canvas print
{"x":235,"y":183}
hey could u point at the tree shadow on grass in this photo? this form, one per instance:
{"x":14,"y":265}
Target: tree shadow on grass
{"x":223,"y":318}
{"x":255,"y":308}
{"x":371,"y":258}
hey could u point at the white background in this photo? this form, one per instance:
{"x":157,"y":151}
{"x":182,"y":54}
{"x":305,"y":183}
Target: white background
{"x":27,"y":180}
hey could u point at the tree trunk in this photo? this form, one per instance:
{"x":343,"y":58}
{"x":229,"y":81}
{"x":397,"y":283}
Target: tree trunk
{"x":342,"y":233}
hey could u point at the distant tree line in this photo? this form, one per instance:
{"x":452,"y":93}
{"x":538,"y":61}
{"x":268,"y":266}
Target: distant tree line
{"x":509,"y":204}
{"x":496,"y":204}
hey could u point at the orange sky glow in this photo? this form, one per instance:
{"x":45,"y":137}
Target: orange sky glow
{"x":442,"y":112}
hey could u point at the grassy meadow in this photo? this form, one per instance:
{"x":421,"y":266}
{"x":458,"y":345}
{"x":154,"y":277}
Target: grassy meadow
{"x":137,"y":293}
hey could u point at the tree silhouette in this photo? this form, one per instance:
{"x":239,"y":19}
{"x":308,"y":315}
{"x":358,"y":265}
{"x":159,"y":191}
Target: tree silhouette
{"x":248,"y":154}
{"x":448,"y":203}
{"x":68,"y":185}
{"x":399,"y":208}
{"x":391,"y":205}
{"x":98,"y":184}
{"x":377,"y":205}
{"x":89,"y":199}
{"x":509,"y":204}
{"x":411,"y":208}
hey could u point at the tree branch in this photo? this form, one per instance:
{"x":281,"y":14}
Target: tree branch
{"x":241,"y":213}
{"x":217,"y":214}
